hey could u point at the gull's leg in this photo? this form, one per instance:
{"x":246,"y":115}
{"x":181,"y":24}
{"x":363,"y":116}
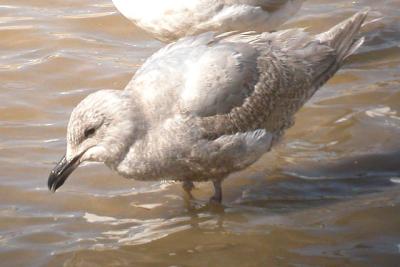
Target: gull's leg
{"x":188,"y":187}
{"x":217,"y":197}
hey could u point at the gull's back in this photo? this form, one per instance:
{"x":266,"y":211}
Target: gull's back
{"x":201,"y":75}
{"x":169,"y":20}
{"x":240,"y":82}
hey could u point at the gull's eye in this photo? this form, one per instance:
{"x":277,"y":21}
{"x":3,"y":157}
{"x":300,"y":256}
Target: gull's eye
{"x":89,"y":132}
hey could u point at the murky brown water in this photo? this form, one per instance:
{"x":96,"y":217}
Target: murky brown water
{"x":327,"y":196}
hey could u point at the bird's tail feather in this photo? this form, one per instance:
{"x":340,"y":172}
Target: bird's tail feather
{"x":343,"y":39}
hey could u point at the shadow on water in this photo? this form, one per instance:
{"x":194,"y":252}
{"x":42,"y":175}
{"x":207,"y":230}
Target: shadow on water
{"x":311,"y":185}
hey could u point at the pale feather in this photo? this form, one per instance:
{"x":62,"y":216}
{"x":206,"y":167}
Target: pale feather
{"x":169,"y":20}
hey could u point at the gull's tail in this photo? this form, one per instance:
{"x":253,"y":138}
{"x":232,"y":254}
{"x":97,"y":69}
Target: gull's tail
{"x":316,"y":59}
{"x":343,"y":39}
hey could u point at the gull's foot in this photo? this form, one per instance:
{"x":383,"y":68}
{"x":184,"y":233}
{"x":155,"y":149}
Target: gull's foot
{"x":217,"y":197}
{"x":188,"y":187}
{"x":215,"y":200}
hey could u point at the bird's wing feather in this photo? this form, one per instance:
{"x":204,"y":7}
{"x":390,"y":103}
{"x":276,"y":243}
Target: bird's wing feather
{"x":231,"y":152}
{"x":245,"y":15}
{"x":197,"y":75}
{"x":290,"y":73}
{"x":222,"y":78}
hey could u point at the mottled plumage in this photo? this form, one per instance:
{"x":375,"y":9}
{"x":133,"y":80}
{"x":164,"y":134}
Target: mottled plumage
{"x":169,"y":20}
{"x":206,"y":106}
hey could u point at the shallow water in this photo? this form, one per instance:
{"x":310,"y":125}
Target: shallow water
{"x":327,"y":196}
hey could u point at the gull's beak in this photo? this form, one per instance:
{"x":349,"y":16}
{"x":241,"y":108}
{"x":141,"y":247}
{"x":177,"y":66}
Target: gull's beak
{"x":61,"y":172}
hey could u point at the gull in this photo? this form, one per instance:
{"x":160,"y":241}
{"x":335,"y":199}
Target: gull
{"x":169,"y":20}
{"x":205,"y":106}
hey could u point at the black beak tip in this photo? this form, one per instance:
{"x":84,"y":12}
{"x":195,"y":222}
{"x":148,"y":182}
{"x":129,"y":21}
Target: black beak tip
{"x":52,"y":190}
{"x":60,"y":173}
{"x":52,"y":182}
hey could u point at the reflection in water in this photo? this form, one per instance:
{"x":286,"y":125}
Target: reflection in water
{"x":327,"y":196}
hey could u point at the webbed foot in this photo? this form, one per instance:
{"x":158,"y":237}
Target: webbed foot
{"x":188,"y":187}
{"x":217,"y":197}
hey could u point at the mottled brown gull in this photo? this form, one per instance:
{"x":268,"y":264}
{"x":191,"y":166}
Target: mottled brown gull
{"x":205,"y":106}
{"x":169,"y":20}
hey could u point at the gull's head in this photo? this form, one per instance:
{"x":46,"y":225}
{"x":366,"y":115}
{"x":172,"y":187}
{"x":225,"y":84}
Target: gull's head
{"x":100,"y":129}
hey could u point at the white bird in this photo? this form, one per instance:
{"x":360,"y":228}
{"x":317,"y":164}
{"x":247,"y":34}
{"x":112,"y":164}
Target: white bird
{"x":205,"y":106}
{"x":169,"y":20}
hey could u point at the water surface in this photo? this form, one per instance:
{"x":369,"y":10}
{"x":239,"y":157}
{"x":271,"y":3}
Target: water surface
{"x":327,"y":196}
